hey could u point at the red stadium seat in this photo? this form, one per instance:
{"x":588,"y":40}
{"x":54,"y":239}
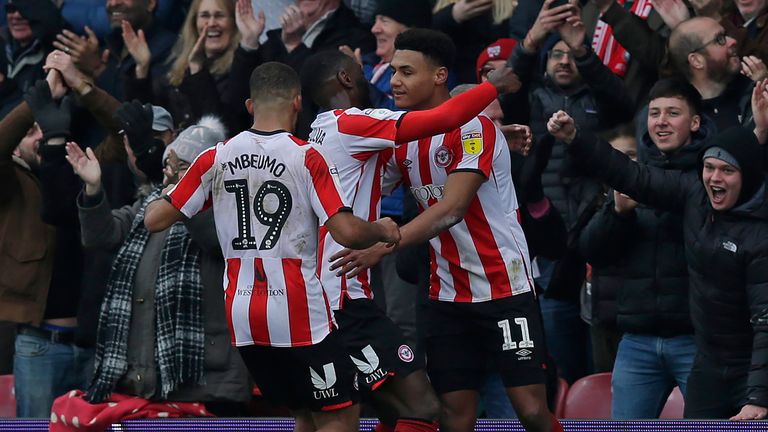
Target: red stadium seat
{"x":562,"y":392}
{"x":673,"y":409}
{"x":7,"y":397}
{"x":589,"y":397}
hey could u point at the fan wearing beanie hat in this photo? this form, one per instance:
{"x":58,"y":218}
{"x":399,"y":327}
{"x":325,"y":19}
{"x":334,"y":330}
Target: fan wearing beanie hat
{"x":189,"y":144}
{"x":732,"y":168}
{"x":392,"y":18}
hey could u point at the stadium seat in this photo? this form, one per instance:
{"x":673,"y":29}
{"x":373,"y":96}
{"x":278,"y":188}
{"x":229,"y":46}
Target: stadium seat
{"x":589,"y":397}
{"x":562,"y":391}
{"x":7,"y":398}
{"x":673,"y":409}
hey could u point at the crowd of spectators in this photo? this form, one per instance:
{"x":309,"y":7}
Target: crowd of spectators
{"x":640,"y":269}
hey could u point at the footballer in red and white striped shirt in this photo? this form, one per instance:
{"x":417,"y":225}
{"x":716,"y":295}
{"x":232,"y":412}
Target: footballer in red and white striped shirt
{"x":482,"y":309}
{"x":270,"y":192}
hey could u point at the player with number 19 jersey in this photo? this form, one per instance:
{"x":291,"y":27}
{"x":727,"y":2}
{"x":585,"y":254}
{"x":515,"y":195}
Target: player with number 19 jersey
{"x":260,"y":186}
{"x":359,"y":142}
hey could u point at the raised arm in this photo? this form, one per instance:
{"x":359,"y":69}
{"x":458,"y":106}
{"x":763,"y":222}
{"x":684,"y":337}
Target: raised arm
{"x":13,"y":127}
{"x":457,"y":111}
{"x":664,"y":189}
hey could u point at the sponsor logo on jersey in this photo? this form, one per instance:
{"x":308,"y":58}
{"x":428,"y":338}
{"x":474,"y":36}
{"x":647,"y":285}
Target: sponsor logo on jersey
{"x":324,"y":385}
{"x":443,"y":156}
{"x":405,"y":353}
{"x":472,"y":143}
{"x":427,"y":192}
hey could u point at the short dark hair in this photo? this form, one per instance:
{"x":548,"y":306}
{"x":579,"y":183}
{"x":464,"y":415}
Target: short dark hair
{"x":320,"y":68}
{"x":679,"y":88}
{"x":274,"y":80}
{"x":434,"y":45}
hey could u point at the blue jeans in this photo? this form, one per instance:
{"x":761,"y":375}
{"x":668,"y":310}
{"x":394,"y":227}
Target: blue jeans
{"x":44,"y":370}
{"x":647,"y":368}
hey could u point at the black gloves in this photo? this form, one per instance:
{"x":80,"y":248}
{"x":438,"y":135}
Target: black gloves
{"x":136,"y":120}
{"x":53,"y":117}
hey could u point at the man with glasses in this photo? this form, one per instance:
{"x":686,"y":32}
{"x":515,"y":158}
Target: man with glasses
{"x":577,"y":79}
{"x":702,"y":52}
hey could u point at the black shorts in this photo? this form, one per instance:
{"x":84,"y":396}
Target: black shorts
{"x":374,"y":343}
{"x":462,"y":339}
{"x":318,"y":377}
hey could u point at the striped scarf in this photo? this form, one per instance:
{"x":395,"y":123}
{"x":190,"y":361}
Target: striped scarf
{"x":608,"y":49}
{"x":179,"y":351}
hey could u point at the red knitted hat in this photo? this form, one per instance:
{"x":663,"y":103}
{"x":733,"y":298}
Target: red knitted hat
{"x":499,"y":50}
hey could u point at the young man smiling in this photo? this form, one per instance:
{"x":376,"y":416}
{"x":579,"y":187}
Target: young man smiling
{"x":645,"y":246}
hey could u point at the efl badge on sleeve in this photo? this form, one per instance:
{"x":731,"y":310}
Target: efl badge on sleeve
{"x":472,"y":143}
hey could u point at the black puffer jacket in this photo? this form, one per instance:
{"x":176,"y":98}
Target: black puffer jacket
{"x":599,"y":103}
{"x":641,"y":254}
{"x":727,"y":254}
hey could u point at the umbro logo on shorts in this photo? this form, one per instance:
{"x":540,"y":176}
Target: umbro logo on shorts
{"x":405,"y":353}
{"x":524,"y":354}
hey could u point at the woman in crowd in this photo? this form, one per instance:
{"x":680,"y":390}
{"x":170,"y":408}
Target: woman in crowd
{"x":198,"y":80}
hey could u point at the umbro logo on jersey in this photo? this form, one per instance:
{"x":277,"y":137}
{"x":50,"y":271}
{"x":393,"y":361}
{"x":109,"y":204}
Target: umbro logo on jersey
{"x":324,"y":385}
{"x":407,"y":164}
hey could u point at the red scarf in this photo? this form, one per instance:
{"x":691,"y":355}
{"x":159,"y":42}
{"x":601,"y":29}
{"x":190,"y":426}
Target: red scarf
{"x":71,"y":412}
{"x":608,"y":49}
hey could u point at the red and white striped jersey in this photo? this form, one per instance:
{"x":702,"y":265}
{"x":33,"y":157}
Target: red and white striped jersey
{"x":359,"y":143}
{"x":485,"y":256}
{"x":269,"y":192}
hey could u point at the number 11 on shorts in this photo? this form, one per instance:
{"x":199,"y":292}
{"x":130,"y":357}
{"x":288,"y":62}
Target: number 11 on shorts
{"x":509,"y":344}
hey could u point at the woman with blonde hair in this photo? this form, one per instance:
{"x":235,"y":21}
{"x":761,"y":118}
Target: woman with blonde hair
{"x":473,"y":25}
{"x":198,"y":81}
